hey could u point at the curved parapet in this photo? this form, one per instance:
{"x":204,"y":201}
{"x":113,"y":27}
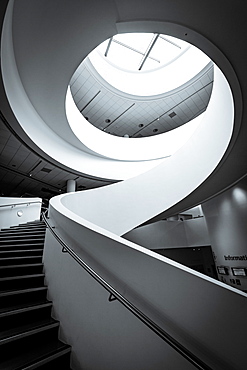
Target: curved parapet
{"x":121,"y":207}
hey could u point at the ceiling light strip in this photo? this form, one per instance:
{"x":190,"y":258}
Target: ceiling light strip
{"x":120,"y":115}
{"x":90,"y":101}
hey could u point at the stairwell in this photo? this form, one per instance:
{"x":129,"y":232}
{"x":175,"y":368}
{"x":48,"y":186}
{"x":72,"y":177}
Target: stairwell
{"x":28,"y":333}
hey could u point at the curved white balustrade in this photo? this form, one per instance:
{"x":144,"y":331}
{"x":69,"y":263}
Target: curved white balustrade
{"x":121,"y":207}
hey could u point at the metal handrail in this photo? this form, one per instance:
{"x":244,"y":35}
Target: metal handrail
{"x":199,"y":364}
{"x":17,"y":204}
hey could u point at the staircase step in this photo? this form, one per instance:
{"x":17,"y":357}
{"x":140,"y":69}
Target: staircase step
{"x":14,"y":336}
{"x":21,"y":282}
{"x":18,"y":238}
{"x":26,"y":269}
{"x":14,"y":321}
{"x":24,"y":305}
{"x":21,"y":241}
{"x":14,"y":246}
{"x":20,"y":260}
{"x":46,"y":355}
{"x":16,"y":310}
{"x":17,"y":235}
{"x":21,"y":297}
{"x":20,"y":253}
{"x":24,"y":228}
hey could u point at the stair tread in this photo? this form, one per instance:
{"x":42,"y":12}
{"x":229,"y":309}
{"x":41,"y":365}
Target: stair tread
{"x":20,"y":277}
{"x":25,"y":330}
{"x":24,"y":308}
{"x":21,"y":245}
{"x":21,"y":266}
{"x":13,"y":259}
{"x":34,"y":356}
{"x":22,"y":250}
{"x":21,"y":291}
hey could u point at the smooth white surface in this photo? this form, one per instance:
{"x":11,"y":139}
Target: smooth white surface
{"x":121,"y":207}
{"x":9,"y":208}
{"x":150,"y":83}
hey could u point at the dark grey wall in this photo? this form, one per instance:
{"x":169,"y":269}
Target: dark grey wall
{"x":226,"y":217}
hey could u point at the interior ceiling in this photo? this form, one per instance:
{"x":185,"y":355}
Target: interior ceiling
{"x":23,"y":173}
{"x":120,"y":114}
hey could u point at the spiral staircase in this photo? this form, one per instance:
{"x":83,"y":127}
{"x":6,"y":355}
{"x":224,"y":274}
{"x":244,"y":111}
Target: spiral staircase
{"x":34,"y":93}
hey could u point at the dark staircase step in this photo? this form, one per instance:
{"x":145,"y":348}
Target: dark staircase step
{"x":18,"y":270}
{"x":26,"y":307}
{"x":20,"y":253}
{"x":21,"y":282}
{"x":43,"y":354}
{"x":4,"y":240}
{"x":20,"y":297}
{"x":18,"y":234}
{"x":25,"y":228}
{"x":8,"y":247}
{"x":28,"y":333}
{"x":20,"y":260}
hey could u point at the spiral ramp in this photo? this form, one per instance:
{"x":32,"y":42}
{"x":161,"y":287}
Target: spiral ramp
{"x":93,"y":221}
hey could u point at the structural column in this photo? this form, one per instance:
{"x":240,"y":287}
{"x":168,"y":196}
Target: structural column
{"x":71,"y":186}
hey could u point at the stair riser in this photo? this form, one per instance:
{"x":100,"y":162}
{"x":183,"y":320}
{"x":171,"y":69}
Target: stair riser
{"x":33,"y":282}
{"x":20,"y":270}
{"x":25,"y":318}
{"x":28,"y":298}
{"x":17,"y":243}
{"x":24,"y":228}
{"x":17,"y":236}
{"x":19,"y":260}
{"x":13,"y":239}
{"x":21,"y":246}
{"x":17,"y":347}
{"x":21,"y":253}
{"x":62,"y":362}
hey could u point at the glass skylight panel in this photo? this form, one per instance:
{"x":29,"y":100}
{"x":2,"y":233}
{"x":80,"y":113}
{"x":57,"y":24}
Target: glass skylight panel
{"x":129,"y":50}
{"x":124,"y":57}
{"x":138,"y":41}
{"x":164,"y":51}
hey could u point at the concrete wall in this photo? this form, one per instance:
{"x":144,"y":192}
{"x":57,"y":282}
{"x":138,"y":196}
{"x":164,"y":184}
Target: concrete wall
{"x":226,"y":217}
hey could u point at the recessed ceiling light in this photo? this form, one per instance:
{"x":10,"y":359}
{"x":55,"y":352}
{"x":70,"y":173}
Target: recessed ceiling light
{"x":173,"y":114}
{"x":155,"y":130}
{"x":107,"y":120}
{"x":141,"y":125}
{"x":47,"y":170}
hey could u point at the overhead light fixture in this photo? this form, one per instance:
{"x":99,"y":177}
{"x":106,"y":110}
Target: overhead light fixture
{"x":173,"y":114}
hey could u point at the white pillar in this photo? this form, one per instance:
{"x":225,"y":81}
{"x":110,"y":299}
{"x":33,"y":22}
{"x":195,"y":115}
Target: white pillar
{"x":71,"y":186}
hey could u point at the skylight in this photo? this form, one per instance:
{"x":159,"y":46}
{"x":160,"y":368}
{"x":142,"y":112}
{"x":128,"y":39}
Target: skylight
{"x":142,"y":51}
{"x":146,"y":64}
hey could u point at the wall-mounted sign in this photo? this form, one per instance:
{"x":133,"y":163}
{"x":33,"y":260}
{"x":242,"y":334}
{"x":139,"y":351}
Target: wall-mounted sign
{"x":239,"y":271}
{"x":222,"y":270}
{"x":236,"y":258}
